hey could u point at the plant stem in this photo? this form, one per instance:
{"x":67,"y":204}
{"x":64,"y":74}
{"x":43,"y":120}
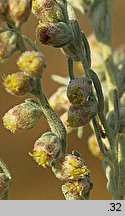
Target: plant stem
{"x":99,"y":139}
{"x":54,"y":121}
{"x":7,"y":179}
{"x":70,"y":67}
{"x":31,"y":43}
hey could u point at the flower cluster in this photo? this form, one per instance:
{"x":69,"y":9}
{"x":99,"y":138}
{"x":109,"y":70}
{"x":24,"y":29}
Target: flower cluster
{"x":57,"y":27}
{"x":14,"y":13}
{"x":24,"y":116}
{"x":53,"y":28}
{"x":83,"y":107}
{"x":31,"y":65}
{"x":73,"y":171}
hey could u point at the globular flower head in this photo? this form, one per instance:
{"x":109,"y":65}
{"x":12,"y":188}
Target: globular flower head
{"x":32,"y":62}
{"x":77,"y":190}
{"x":22,"y":116}
{"x":80,"y":115}
{"x":18,"y":83}
{"x":47,"y":11}
{"x":8,"y":43}
{"x":19,"y":11}
{"x":46,"y":149}
{"x":55,"y":34}
{"x":3,"y":6}
{"x":70,"y":167}
{"x":59,"y":99}
{"x":79,"y":90}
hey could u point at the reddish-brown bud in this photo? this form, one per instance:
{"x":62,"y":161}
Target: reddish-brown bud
{"x":55,"y":34}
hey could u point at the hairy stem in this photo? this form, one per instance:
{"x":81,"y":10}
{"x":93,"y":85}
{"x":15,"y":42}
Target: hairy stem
{"x":7,"y":180}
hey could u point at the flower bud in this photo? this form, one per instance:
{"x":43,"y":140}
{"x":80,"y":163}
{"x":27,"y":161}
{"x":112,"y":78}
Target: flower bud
{"x":32,"y":62}
{"x":79,"y":90}
{"x":8,"y":43}
{"x":47,"y":11}
{"x":55,"y":34}
{"x":18,"y":83}
{"x":19,"y":11}
{"x":3,"y":6}
{"x":81,"y":115}
{"x":70,"y":167}
{"x":22,"y":116}
{"x":77,"y":190}
{"x":59,"y":99}
{"x":46,"y":149}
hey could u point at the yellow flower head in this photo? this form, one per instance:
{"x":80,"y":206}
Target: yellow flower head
{"x":32,"y":62}
{"x":46,"y":149}
{"x":71,"y":168}
{"x":18,"y":83}
{"x":77,"y":190}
